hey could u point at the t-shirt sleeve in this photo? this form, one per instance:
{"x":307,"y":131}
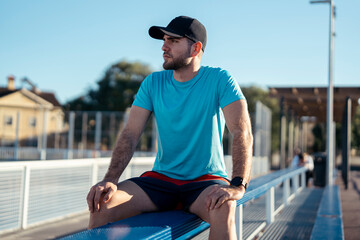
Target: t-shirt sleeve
{"x":229,"y":89}
{"x":143,"y":97}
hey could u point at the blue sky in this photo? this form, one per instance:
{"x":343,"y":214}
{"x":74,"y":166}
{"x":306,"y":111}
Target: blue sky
{"x":65,"y":46}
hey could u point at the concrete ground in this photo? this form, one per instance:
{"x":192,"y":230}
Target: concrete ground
{"x":51,"y":230}
{"x":350,"y":204}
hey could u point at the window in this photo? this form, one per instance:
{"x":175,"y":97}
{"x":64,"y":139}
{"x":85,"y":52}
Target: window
{"x":32,"y":122}
{"x":8,"y":120}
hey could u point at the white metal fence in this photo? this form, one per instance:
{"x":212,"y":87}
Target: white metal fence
{"x":260,"y":166}
{"x":262,"y":130}
{"x":34,"y":192}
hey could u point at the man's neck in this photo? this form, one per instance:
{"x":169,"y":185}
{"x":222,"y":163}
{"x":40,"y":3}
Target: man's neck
{"x":186,"y":73}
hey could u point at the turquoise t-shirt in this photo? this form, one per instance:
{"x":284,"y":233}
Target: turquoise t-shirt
{"x":190,"y":120}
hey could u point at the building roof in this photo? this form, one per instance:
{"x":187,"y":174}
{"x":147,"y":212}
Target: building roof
{"x":5,"y":91}
{"x":48,"y":96}
{"x":312,"y":101}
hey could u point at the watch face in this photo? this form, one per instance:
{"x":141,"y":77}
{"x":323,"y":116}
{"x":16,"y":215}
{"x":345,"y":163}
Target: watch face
{"x":238,"y":181}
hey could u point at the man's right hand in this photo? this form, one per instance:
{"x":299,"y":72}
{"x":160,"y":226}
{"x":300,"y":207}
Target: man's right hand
{"x":96,"y":191}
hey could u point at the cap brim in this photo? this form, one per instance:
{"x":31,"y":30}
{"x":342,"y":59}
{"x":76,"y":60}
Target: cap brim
{"x":159,"y":32}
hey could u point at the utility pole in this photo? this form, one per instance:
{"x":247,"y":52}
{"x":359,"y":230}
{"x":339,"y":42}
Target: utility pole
{"x":330,"y":99}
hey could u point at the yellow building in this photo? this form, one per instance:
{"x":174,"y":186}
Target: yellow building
{"x":31,"y":116}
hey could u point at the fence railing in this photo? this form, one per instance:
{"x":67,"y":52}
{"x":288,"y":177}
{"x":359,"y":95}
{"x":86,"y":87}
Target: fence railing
{"x":34,"y":192}
{"x":32,"y":153}
{"x":269,"y":186}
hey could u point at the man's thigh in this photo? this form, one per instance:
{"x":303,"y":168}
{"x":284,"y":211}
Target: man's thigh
{"x":129,"y":200}
{"x":199,"y":205}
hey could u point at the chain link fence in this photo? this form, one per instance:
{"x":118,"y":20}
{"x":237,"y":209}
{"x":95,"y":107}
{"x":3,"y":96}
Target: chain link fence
{"x":88,"y":134}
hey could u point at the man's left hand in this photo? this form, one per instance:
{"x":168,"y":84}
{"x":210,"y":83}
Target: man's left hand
{"x":220,"y":194}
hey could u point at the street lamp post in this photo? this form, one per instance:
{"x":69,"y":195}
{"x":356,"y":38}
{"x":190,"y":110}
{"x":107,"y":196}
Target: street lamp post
{"x":330,"y":101}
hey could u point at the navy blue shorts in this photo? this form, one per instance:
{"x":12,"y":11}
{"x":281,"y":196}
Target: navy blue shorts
{"x":169,"y":194}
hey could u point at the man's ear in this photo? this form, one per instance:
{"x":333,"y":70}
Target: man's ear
{"x":197,"y":48}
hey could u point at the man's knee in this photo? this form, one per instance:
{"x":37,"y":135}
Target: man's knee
{"x":226,"y":211}
{"x":100,"y":217}
{"x":104,"y":215}
{"x":229,"y":206}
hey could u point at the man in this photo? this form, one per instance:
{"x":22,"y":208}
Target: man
{"x":190,"y":103}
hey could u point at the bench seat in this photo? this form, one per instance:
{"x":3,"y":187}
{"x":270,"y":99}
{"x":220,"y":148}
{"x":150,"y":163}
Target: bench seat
{"x":156,"y":225}
{"x":328,"y":223}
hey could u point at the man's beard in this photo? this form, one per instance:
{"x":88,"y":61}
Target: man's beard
{"x":177,"y":63}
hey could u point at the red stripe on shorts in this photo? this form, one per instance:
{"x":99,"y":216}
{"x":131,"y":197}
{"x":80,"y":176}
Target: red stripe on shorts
{"x":163,"y":177}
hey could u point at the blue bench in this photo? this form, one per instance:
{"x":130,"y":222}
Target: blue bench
{"x":177,"y":224}
{"x":157,"y":225}
{"x":328,"y":223}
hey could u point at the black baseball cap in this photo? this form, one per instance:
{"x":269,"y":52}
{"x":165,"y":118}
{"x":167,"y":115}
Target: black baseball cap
{"x":181,"y":26}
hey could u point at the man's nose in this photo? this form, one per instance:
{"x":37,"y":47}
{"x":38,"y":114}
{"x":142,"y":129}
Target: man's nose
{"x":165,"y":47}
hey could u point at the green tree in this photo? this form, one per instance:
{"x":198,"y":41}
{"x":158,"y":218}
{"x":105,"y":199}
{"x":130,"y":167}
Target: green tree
{"x":115,"y":90}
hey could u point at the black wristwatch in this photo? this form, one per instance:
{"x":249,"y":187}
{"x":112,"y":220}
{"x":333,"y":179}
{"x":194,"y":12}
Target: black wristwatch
{"x":238,"y":181}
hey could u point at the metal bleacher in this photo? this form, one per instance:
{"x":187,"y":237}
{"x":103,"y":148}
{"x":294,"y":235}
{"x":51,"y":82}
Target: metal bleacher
{"x":294,"y":214}
{"x":276,"y":205}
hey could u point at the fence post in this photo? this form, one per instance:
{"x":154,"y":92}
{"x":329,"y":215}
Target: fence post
{"x":268,"y":137}
{"x":44,"y":136}
{"x":270,"y":205}
{"x":282,"y":134}
{"x":16,"y":145}
{"x":98,"y":134}
{"x":25,"y":197}
{"x":128,"y":171}
{"x":286,"y":191}
{"x":84,"y":130}
{"x":291,"y":137}
{"x":296,"y":183}
{"x":258,"y":129}
{"x":239,"y":221}
{"x":303,"y":182}
{"x":266,"y":164}
{"x":71,"y":135}
{"x":95,"y":167}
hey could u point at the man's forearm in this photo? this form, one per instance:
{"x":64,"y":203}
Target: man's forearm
{"x":121,"y":156}
{"x":242,"y":154}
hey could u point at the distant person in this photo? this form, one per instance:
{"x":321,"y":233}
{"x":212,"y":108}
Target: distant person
{"x":295,"y":160}
{"x":304,"y":160}
{"x":307,"y":161}
{"x":191,"y":104}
